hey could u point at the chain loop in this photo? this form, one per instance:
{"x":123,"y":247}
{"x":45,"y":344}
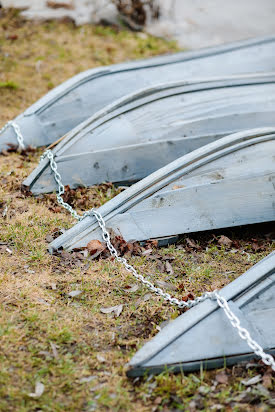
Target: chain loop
{"x":17,"y":132}
{"x":234,"y":320}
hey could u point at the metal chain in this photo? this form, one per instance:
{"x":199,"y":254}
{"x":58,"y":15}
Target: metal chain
{"x":61,"y":189}
{"x":222,"y":302}
{"x":243,"y":333}
{"x":234,"y":320}
{"x":131,"y":269}
{"x":106,"y":237}
{"x":17,"y":132}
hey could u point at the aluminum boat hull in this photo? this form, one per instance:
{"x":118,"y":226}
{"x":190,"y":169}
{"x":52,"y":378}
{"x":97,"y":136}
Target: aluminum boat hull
{"x":69,"y":104}
{"x":178,"y":347}
{"x":229,"y":182}
{"x":146,"y":130}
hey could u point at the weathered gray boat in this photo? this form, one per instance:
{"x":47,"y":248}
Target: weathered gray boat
{"x":226,"y":183}
{"x":203,"y":337}
{"x":146,"y":130}
{"x":72,"y":102}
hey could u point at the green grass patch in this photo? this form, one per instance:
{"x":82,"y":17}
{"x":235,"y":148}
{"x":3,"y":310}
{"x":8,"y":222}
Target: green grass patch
{"x":9,"y":85}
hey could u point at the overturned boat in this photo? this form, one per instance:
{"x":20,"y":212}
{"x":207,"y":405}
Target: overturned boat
{"x":229,"y":182}
{"x":66,"y":106}
{"x":179,"y":347}
{"x":148,"y":129}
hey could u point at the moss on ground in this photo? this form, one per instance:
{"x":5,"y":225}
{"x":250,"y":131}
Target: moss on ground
{"x":66,"y":343}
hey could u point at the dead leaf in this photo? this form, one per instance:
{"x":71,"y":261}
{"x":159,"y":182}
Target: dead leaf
{"x":252,"y":381}
{"x":169,"y":268}
{"x":158,"y":400}
{"x":113,"y":309}
{"x":222,"y":377}
{"x":181,"y":286}
{"x":97,"y":387}
{"x":100,"y":358}
{"x":118,"y":310}
{"x":147,"y":252}
{"x":95,"y":248}
{"x":45,"y":353}
{"x":12,"y":36}
{"x":43,"y":301}
{"x":57,"y":209}
{"x":168,"y":257}
{"x":165,"y":285}
{"x":87,"y":379}
{"x":204,"y":390}
{"x":5,"y":211}
{"x":187,"y":297}
{"x":267,"y":380}
{"x":38,"y":391}
{"x":31,"y":272}
{"x":160,"y":266}
{"x":175,"y":187}
{"x":125,"y":248}
{"x":261,"y":390}
{"x":65,"y":254}
{"x":152,"y":242}
{"x":132,"y":289}
{"x":49,"y":238}
{"x":255,"y":245}
{"x":59,"y":5}
{"x":54,"y":349}
{"x":192,"y":244}
{"x":85,"y":253}
{"x":146,"y":297}
{"x":74,"y":293}
{"x":225,"y":241}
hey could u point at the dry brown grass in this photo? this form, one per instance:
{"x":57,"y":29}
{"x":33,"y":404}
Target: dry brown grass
{"x":36,"y":310}
{"x":35,"y":58}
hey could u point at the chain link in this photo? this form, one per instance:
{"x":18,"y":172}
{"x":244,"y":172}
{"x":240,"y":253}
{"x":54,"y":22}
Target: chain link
{"x":234,"y":320}
{"x":17,"y":132}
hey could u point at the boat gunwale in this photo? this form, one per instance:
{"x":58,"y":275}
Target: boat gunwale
{"x":162,"y":177}
{"x":81,"y":78}
{"x":231,"y":292}
{"x":120,"y":107}
{"x":148,"y":95}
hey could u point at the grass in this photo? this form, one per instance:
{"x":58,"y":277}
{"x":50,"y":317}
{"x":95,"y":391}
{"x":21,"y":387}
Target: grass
{"x":8,"y":85}
{"x":85,"y":371}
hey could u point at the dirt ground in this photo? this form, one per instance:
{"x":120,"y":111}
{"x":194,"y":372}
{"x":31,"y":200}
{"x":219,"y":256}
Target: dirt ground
{"x":60,"y":341}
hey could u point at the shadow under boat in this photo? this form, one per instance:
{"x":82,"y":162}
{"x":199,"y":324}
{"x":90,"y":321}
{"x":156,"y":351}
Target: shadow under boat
{"x":229,"y":182}
{"x":146,"y":130}
{"x":69,"y":104}
{"x":203,"y":337}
